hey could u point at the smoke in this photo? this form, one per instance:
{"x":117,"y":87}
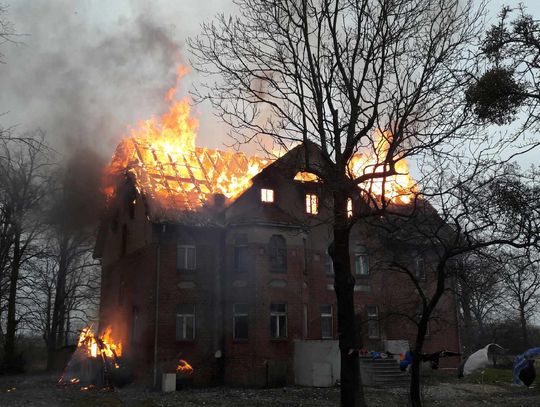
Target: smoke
{"x":86,"y":71}
{"x":84,"y":79}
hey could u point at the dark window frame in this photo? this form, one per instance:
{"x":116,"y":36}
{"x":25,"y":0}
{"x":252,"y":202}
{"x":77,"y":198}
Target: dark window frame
{"x":186,"y":266}
{"x":240,"y":315}
{"x":277,"y":254}
{"x":184,"y":316}
{"x":327,"y":313}
{"x":373,"y":322}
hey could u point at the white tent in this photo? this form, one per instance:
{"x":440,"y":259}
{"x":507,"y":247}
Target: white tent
{"x":481,"y":358}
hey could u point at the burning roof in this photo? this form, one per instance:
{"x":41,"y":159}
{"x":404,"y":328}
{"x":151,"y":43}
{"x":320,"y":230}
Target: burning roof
{"x":170,"y":171}
{"x":174,"y":176}
{"x":184,"y":180}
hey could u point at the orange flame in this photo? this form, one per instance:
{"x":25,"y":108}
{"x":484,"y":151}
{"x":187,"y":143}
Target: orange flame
{"x":99,"y":346}
{"x":184,"y":367}
{"x":397,"y":188}
{"x":177,"y":175}
{"x":169,"y":168}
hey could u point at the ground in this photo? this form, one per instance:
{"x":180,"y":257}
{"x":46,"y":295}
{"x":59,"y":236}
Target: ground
{"x":490,"y":390}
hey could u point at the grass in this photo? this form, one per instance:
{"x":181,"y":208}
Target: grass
{"x":491,"y":376}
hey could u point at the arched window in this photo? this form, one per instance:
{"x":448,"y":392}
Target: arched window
{"x":278,"y":254}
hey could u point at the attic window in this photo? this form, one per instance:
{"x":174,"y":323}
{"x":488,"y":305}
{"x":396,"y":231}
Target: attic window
{"x":267,"y":195}
{"x":312,"y":204}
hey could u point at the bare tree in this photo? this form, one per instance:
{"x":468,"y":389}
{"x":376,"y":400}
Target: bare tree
{"x":474,"y":204}
{"x":39,"y":287}
{"x":75,"y":203}
{"x":521,"y":282}
{"x":23,"y":184}
{"x":480,"y":294}
{"x":6,"y":29}
{"x":337,"y":76}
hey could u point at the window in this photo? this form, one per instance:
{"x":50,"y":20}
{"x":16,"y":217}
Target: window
{"x":267,"y":195}
{"x":240,"y":322}
{"x":328,"y":265}
{"x":373,"y":321}
{"x":278,"y":321}
{"x":327,"y":322}
{"x":278,"y":254}
{"x":349,"y":208}
{"x":361,"y":261}
{"x":185,"y":322}
{"x":419,"y":269}
{"x":186,"y":257}
{"x":312,"y":204}
{"x":241,"y":253}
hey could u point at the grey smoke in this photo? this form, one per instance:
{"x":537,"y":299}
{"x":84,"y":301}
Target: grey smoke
{"x":80,"y":82}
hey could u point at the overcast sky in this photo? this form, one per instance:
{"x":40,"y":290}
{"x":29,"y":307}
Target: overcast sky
{"x":85,"y":70}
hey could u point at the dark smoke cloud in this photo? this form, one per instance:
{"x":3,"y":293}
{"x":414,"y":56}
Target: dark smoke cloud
{"x":84,"y":81}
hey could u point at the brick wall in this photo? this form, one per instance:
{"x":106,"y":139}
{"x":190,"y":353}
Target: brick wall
{"x":129,"y":283}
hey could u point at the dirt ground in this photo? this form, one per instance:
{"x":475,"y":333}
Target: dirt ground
{"x":41,"y":390}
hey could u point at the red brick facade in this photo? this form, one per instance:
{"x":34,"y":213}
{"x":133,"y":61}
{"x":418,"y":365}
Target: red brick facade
{"x":235,"y":263}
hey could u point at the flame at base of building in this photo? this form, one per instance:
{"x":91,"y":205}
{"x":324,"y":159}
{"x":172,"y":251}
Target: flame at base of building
{"x":96,"y":362}
{"x":184,"y":367}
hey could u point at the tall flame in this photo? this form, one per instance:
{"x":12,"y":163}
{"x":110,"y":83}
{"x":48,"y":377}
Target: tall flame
{"x":171,"y":169}
{"x":103,"y":345}
{"x":168,"y":167}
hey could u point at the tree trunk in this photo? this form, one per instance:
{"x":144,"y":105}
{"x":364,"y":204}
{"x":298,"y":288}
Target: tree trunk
{"x":523,"y":323}
{"x":468,"y":334}
{"x":415,"y":393}
{"x":59,"y":303}
{"x":47,"y":333}
{"x":351,"y":388}
{"x":10,"y":358}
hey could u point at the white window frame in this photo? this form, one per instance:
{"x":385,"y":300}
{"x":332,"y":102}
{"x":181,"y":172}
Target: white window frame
{"x":275,"y":317}
{"x":183,"y":317}
{"x":267,"y":195}
{"x":312,"y":204}
{"x":363,"y":256}
{"x":186,"y":248}
{"x":326,"y":315}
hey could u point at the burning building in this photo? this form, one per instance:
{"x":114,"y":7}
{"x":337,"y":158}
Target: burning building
{"x":220,"y":260}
